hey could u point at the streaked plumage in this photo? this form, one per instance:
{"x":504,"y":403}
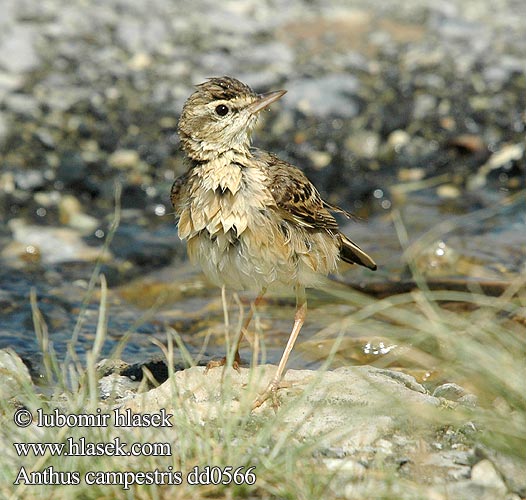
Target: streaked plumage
{"x":251,"y":220}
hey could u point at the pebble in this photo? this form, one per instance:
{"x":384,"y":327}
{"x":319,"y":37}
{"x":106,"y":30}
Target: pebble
{"x":9,"y":82}
{"x":398,"y":139}
{"x":116,"y":386}
{"x":45,"y":138}
{"x":23,"y":105}
{"x":330,"y":95}
{"x":345,"y":466}
{"x":4,"y":129}
{"x":17,"y":49}
{"x":364,"y":144}
{"x":448,"y":191}
{"x":411,"y":174}
{"x":71,"y":214}
{"x":72,"y":168}
{"x":319,"y":159}
{"x":424,"y":105}
{"x":47,"y":198}
{"x":501,"y":158}
{"x":124,"y":159}
{"x":30,"y":180}
{"x":54,"y":244}
{"x":485,"y":474}
{"x":450,"y":391}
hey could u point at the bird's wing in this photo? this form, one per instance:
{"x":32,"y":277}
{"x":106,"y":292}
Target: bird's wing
{"x":178,"y":193}
{"x":296,"y":197}
{"x":300,"y":202}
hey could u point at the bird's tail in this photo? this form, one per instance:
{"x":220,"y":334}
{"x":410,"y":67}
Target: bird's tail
{"x":353,"y":254}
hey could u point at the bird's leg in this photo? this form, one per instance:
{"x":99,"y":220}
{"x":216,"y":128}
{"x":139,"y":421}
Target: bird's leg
{"x":237,"y":358}
{"x":224,"y":303}
{"x":299,"y":319}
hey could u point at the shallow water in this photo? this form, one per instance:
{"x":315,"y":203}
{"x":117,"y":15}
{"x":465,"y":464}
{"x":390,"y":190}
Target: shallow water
{"x":473,"y":246}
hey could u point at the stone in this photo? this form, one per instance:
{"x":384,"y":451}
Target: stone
{"x":324,"y":402}
{"x":72,"y":168}
{"x":17,"y":50}
{"x":124,"y":159}
{"x":53,"y":244}
{"x":320,"y":159}
{"x":22,"y":104}
{"x":29,"y":180}
{"x":454,"y":392}
{"x":485,"y":474}
{"x":345,"y":465}
{"x":424,"y":105}
{"x":329,"y":95}
{"x":71,"y":214}
{"x":448,"y":191}
{"x":499,"y":159}
{"x":511,"y":469}
{"x":363,"y":144}
{"x":467,"y":490}
{"x":398,"y":139}
{"x":4,"y":129}
{"x":117,"y":387}
{"x":453,"y":462}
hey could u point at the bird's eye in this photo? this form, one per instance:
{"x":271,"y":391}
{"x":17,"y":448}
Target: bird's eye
{"x":222,"y":110}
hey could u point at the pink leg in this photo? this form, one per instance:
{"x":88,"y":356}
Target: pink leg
{"x":299,"y":319}
{"x":237,"y":357}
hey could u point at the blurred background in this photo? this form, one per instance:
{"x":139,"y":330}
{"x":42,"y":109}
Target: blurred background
{"x":409,"y":114}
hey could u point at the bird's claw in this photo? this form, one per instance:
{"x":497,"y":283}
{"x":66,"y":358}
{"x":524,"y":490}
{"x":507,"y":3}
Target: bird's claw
{"x":270,"y":392}
{"x":215,"y":363}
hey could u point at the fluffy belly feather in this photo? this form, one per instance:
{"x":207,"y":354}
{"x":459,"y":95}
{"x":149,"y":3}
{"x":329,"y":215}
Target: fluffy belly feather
{"x":263,"y":258}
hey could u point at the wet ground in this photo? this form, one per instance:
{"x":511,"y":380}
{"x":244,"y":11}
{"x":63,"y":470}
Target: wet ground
{"x":411,"y":116}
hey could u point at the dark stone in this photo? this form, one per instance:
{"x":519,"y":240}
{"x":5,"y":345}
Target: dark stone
{"x":134,"y":197}
{"x":144,"y":247}
{"x":157,"y":367}
{"x":72,"y":168}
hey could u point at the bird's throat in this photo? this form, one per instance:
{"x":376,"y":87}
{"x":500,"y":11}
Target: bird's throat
{"x":221,"y":175}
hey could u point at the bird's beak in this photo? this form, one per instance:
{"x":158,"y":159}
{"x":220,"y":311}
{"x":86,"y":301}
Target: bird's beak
{"x":264,"y":100}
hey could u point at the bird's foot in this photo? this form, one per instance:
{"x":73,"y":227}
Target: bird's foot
{"x":271,"y":392}
{"x":223,"y":362}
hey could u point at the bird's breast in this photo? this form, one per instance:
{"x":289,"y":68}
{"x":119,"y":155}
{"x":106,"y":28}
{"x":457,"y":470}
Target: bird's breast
{"x":235,"y":232}
{"x":224,"y":197}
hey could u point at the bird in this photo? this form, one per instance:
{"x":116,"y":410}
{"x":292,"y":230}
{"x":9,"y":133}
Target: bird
{"x":251,"y":220}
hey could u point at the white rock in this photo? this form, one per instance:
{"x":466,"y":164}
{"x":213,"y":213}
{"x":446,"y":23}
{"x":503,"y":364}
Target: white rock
{"x":485,"y":474}
{"x":353,"y":407}
{"x":53,"y":244}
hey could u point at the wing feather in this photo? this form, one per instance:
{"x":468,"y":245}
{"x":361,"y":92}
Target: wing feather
{"x":179,"y":192}
{"x":300,"y":202}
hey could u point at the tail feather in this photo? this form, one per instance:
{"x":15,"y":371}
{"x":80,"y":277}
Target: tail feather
{"x":353,"y":254}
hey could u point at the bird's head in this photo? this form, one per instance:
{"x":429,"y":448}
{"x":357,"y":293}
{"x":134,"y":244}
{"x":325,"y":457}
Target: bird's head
{"x":219,"y":116}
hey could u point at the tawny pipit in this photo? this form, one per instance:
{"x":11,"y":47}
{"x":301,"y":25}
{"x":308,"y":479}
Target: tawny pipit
{"x":251,"y":220}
